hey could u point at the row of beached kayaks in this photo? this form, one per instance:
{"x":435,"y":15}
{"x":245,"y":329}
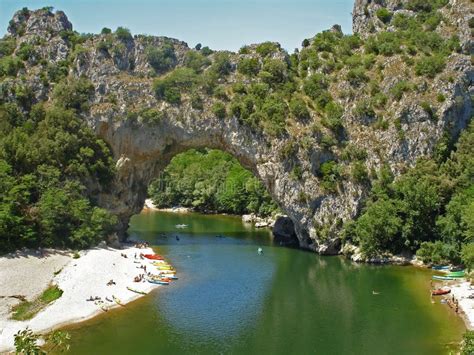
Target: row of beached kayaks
{"x":165,"y":273}
{"x":451,"y":274}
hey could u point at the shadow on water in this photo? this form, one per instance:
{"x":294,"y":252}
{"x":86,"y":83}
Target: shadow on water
{"x":229,"y":299}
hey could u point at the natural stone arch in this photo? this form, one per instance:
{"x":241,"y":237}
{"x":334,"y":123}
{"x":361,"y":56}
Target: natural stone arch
{"x":143,"y":152}
{"x":122,"y":81}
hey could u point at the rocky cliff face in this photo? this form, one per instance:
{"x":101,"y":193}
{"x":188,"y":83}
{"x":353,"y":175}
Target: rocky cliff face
{"x":122,"y":78}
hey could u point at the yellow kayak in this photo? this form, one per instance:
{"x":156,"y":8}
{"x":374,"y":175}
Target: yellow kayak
{"x":159,"y":263}
{"x":167,"y":271}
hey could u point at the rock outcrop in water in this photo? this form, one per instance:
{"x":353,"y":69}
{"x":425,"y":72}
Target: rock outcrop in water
{"x":145,"y":132}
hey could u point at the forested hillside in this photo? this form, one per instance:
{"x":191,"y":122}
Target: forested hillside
{"x":49,"y":162}
{"x":428,"y":210}
{"x":212,"y":181}
{"x":324,"y":128}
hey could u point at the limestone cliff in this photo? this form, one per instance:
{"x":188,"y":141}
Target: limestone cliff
{"x":145,"y":131}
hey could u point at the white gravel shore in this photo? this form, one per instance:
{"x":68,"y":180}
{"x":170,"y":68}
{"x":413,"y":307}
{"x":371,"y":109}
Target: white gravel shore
{"x":461,"y":291}
{"x":79,"y":278}
{"x":149,"y":205}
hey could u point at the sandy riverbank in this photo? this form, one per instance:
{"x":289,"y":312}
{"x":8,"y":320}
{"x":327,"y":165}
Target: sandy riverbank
{"x":149,"y":205}
{"x":461,"y":290}
{"x":28,"y":274}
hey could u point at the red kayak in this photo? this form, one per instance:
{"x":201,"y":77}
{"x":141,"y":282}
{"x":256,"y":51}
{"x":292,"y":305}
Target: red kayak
{"x":153,"y":256}
{"x":440,"y":291}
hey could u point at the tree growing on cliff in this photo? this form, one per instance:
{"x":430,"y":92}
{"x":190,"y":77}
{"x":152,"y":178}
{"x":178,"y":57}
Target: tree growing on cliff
{"x":161,"y":59}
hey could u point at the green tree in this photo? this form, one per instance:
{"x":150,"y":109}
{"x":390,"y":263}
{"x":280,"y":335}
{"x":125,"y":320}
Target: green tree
{"x":161,"y":59}
{"x":249,"y":66}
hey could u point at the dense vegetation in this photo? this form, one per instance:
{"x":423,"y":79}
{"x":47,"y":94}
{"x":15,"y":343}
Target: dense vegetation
{"x":210,"y":180}
{"x":48,"y":160}
{"x":468,"y":343}
{"x":27,"y":342}
{"x":429,"y":209}
{"x":273,"y":91}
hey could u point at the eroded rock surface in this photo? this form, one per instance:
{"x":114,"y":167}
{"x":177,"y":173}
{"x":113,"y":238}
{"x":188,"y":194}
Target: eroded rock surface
{"x":122,"y":78}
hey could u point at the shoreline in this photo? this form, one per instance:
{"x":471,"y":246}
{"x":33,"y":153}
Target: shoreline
{"x":460,"y":290}
{"x":87,"y":276}
{"x":79,"y":279}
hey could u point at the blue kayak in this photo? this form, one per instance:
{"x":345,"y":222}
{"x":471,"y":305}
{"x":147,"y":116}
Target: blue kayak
{"x":158,"y":282}
{"x":440,"y":267}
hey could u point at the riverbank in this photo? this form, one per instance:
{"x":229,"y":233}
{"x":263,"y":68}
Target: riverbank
{"x":461,"y":290}
{"x":26,"y":274}
{"x":149,"y":205}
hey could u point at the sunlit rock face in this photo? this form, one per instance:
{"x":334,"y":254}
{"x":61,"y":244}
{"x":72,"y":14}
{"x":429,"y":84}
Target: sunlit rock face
{"x":142,"y":146}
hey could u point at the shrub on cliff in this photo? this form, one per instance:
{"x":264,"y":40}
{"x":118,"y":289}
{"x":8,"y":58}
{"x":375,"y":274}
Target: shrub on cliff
{"x":222,"y":65}
{"x":7,"y":46}
{"x":169,"y":87}
{"x":384,"y":15}
{"x":219,"y":110}
{"x":316,"y":87}
{"x":273,"y":71}
{"x":74,"y":94}
{"x":161,"y":59}
{"x":123,"y":34}
{"x":9,"y":66}
{"x":299,"y":109}
{"x":249,"y":66}
{"x":266,"y":48}
{"x":196,"y":60}
{"x":430,"y":66}
{"x":26,"y":51}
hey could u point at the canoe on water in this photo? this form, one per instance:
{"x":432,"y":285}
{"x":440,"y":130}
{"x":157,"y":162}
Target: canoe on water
{"x":136,"y":291}
{"x":444,"y":278}
{"x":440,"y":291}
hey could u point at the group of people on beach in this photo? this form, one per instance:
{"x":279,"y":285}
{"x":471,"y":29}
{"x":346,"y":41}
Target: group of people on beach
{"x":139,"y":278}
{"x":142,"y":245}
{"x":453,"y":303}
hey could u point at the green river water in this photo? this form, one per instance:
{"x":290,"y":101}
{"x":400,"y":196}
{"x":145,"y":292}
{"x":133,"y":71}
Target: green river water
{"x":230,"y":300}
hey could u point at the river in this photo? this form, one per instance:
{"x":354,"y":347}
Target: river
{"x":229,"y":299}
